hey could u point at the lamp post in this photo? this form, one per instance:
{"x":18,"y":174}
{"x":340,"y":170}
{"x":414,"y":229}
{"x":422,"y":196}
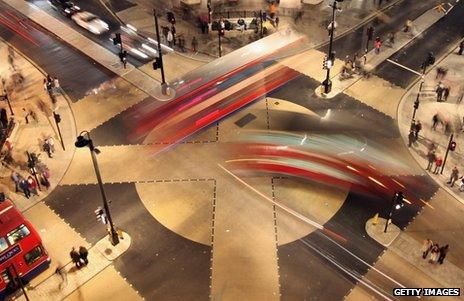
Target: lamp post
{"x":327,"y":83}
{"x":82,"y":141}
{"x":397,"y":203}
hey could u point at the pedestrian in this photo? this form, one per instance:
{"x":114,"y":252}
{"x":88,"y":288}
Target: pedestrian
{"x":25,"y":188}
{"x":443,"y":251}
{"x":438,"y":163}
{"x":83,"y":253}
{"x":170,"y":38}
{"x":194,"y":44}
{"x":431,"y":159}
{"x":417,"y":129}
{"x":435,"y":120}
{"x":446,"y":93}
{"x":76,"y":259}
{"x":173,"y":31}
{"x":46,"y":148}
{"x":44,"y":180}
{"x":277,"y":20}
{"x":439,"y":90}
{"x":411,"y":138}
{"x":3,"y":118}
{"x":391,"y":38}
{"x":32,"y":185}
{"x":408,"y":26}
{"x":461,"y":48}
{"x":434,"y":253}
{"x":426,"y":247}
{"x":454,"y":176}
{"x":16,"y":177}
{"x":56,"y":84}
{"x":377,"y":45}
{"x":51,"y":143}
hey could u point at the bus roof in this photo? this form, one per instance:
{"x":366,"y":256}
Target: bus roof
{"x":10,"y":217}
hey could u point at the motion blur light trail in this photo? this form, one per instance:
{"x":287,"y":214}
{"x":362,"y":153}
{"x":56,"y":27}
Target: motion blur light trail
{"x":337,"y":160}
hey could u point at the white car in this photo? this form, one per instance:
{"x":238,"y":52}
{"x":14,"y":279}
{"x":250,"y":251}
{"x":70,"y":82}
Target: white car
{"x":90,"y":22}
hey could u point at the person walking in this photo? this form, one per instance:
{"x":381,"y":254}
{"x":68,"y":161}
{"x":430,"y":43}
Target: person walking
{"x":377,"y":45}
{"x":194,"y":44}
{"x":16,"y":177}
{"x":46,"y":148}
{"x":434,"y":253}
{"x":25,"y":188}
{"x":32,"y":185}
{"x":443,"y":251}
{"x":408,"y":26}
{"x":426,"y":247}
{"x":435,"y":121}
{"x":446,"y":92}
{"x":83,"y":254}
{"x":439,"y":90}
{"x":170,"y":38}
{"x":76,"y":259}
{"x":51,"y":143}
{"x":438,"y":163}
{"x":277,"y":20}
{"x":454,"y":176}
{"x":411,"y":138}
{"x":461,"y":48}
{"x":417,"y":129}
{"x":431,"y":159}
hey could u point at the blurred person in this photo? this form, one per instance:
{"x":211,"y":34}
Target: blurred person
{"x":170,"y":38}
{"x":443,"y":251}
{"x":32,"y":185}
{"x":76,"y":259}
{"x":417,"y":128}
{"x":426,"y":247}
{"x":434,"y":253}
{"x":431,"y":157}
{"x":25,"y":188}
{"x":83,"y":254}
{"x":461,"y":48}
{"x":438,"y":164}
{"x":16,"y":177}
{"x":435,"y":121}
{"x":377,"y":45}
{"x":411,"y":138}
{"x":194,"y":44}
{"x":454,"y":176}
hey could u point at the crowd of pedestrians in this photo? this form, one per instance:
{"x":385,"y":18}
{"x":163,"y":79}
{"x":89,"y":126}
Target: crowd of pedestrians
{"x":437,"y":253}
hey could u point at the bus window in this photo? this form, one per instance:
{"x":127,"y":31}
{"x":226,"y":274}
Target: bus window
{"x":3,"y":244}
{"x":18,"y":234}
{"x":33,"y":255}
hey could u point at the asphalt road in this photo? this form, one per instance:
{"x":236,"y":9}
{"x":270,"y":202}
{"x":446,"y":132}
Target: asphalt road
{"x":77,"y":73}
{"x":160,"y":264}
{"x":392,"y":19}
{"x":98,"y":9}
{"x":437,"y":39}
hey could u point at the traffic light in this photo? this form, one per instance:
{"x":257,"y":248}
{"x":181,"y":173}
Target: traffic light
{"x":329,"y":62}
{"x":399,"y":200}
{"x":101,"y":215}
{"x":157,"y":63}
{"x":416,"y":104}
{"x":117,"y":39}
{"x":222,"y":31}
{"x":57,"y":117}
{"x":452,"y":145}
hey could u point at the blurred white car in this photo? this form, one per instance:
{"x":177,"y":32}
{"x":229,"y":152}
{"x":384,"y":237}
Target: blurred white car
{"x":90,"y":22}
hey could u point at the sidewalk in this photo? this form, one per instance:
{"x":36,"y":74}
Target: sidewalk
{"x":31,"y":96}
{"x":450,"y":112}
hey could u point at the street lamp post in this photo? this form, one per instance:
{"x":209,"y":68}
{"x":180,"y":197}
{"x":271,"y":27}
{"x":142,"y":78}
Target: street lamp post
{"x":397,"y":203}
{"x":327,"y":83}
{"x":417,"y":102}
{"x":20,"y":281}
{"x":82,"y":142}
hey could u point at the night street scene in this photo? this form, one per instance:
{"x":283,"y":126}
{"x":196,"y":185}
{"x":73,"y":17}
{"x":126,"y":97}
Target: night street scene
{"x":231,"y":150}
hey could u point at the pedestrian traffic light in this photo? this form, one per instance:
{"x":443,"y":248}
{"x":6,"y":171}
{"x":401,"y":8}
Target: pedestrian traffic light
{"x":399,"y":200}
{"x":416,"y":104}
{"x":452,"y":145}
{"x":122,"y":55}
{"x":101,"y":216}
{"x":157,"y":63}
{"x":117,"y":39}
{"x":57,"y":117}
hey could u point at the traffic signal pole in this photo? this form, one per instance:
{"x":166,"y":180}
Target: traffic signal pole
{"x":57,"y":118}
{"x":417,"y":101}
{"x":327,"y":83}
{"x":446,"y":154}
{"x":160,"y":54}
{"x":219,"y":41}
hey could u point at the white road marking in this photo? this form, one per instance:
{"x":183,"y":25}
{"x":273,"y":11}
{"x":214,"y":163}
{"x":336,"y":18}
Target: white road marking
{"x":404,"y":67}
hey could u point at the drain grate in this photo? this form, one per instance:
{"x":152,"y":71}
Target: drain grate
{"x":245,"y":120}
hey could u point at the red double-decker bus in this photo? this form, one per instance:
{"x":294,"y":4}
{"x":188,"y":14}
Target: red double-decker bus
{"x":22,"y":255}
